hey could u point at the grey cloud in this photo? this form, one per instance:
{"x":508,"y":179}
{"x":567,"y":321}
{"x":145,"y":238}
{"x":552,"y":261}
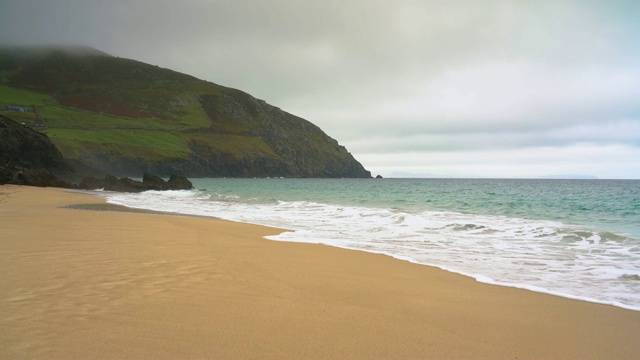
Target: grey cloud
{"x":583,"y":159}
{"x":623,"y":132}
{"x":437,"y":76}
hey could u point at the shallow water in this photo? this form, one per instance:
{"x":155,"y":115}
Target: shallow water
{"x":574,"y":238}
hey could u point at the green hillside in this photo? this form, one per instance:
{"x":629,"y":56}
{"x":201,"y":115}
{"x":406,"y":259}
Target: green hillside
{"x":125,"y":117}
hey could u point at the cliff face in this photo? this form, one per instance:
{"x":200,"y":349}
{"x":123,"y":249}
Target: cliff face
{"x":30,"y":153}
{"x":291,"y":146}
{"x":125,"y":117}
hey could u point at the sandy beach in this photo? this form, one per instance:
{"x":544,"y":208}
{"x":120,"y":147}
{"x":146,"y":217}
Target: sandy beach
{"x":85,"y":284}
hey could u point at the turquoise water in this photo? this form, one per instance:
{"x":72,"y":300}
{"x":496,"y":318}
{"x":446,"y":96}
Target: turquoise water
{"x":612,"y":205}
{"x":573,"y":238}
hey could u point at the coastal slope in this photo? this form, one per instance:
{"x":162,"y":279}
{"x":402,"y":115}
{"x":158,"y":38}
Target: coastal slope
{"x":124,"y":117}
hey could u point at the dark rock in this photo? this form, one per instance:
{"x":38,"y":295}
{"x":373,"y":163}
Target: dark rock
{"x":152,"y":182}
{"x":379,"y":177}
{"x":6,"y":174}
{"x":179,"y":183}
{"x":149,"y":182}
{"x":30,"y":153}
{"x":43,"y":178}
{"x":91,"y":183}
{"x":125,"y":184}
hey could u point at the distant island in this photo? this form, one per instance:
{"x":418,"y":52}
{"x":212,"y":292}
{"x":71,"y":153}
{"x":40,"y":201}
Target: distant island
{"x":124,"y":117}
{"x":568,"y":177}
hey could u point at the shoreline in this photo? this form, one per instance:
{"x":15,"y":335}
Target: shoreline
{"x":479,"y":278}
{"x":475,"y":276}
{"x":488,"y":281}
{"x":79,"y":283}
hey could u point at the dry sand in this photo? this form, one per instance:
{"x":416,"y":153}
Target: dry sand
{"x":82,"y":284}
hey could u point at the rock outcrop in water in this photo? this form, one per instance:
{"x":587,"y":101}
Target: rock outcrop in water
{"x":125,"y":184}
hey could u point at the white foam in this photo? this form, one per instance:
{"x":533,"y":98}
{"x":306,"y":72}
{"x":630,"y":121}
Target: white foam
{"x":542,"y":256}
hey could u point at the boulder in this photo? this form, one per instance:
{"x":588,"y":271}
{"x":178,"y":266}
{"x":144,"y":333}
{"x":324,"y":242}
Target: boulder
{"x":149,"y":182}
{"x":43,"y":178}
{"x":91,"y":183}
{"x":179,"y":183}
{"x":111,"y":183}
{"x":152,"y":182}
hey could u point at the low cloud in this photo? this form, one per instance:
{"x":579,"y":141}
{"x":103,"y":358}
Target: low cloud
{"x":431,"y":82}
{"x":526,"y":162}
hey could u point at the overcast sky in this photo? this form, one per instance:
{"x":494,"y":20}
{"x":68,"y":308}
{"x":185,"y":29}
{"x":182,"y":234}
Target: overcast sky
{"x":468,"y":88}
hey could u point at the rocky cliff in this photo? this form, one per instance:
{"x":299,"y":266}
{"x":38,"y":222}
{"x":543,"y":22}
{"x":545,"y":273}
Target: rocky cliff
{"x":29,"y":157}
{"x":125,"y":117}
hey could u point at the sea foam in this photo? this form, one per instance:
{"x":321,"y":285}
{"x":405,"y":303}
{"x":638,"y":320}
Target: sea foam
{"x":538,"y":255}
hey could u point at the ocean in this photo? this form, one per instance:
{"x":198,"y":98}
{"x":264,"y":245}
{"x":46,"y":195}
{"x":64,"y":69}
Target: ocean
{"x":573,"y":238}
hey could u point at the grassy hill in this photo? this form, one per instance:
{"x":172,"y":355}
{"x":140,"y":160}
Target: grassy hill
{"x":126,"y":117}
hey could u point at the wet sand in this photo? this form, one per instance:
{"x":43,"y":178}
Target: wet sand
{"x":77,"y":283}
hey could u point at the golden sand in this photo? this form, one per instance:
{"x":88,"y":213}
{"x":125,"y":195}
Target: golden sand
{"x":83,"y":284}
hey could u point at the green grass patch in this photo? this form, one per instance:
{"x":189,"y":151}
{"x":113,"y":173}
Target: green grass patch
{"x":59,"y":117}
{"x":10,"y":96}
{"x":235,"y":145}
{"x":191,"y":116}
{"x":187,"y":111}
{"x":134,"y":143}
